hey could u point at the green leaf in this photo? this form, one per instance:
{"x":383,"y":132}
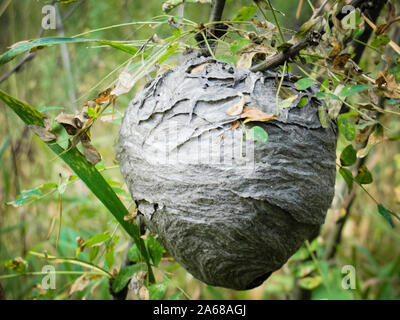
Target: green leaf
{"x":155,"y":249}
{"x":110,"y":257}
{"x":86,"y":172}
{"x":31,"y":195}
{"x":323,"y":117}
{"x":227,"y":59}
{"x":305,"y":269}
{"x":346,"y":128}
{"x":364,"y":176}
{"x":257,"y":133}
{"x":171,"y":50}
{"x":157,"y":290}
{"x":97,"y":239}
{"x":380,"y":40}
{"x":245,"y":13}
{"x":94,"y":251}
{"x":348,"y":157}
{"x":310,"y":283}
{"x":176,"y":296}
{"x":125,"y":274}
{"x":238,"y":44}
{"x":386,"y":213}
{"x":353,"y":89}
{"x":134,"y":253}
{"x":304,"y":83}
{"x":119,"y":46}
{"x":287,"y":103}
{"x":303,"y":102}
{"x":348,"y":178}
{"x":49,"y":41}
{"x":4,"y":145}
{"x":326,"y":95}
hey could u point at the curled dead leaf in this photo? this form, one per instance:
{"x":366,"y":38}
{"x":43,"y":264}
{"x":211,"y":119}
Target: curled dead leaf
{"x":199,"y":68}
{"x":337,"y":48}
{"x":144,"y":293}
{"x":235,"y":125}
{"x":254,"y":114}
{"x":44,"y":133}
{"x":125,"y":83}
{"x":237,"y":108}
{"x":131,"y":216}
{"x":340,"y":61}
{"x":90,"y":152}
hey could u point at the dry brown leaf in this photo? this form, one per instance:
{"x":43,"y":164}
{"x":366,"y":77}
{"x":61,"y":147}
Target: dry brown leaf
{"x":363,"y":134}
{"x":260,"y":24}
{"x":390,"y":11}
{"x":79,"y":284}
{"x":131,"y":216}
{"x":237,"y":108}
{"x":246,"y":60}
{"x":105,"y":96}
{"x":199,"y":68}
{"x":144,"y":293}
{"x":90,"y":152}
{"x":69,"y":122}
{"x":137,"y":281}
{"x":254,"y":114}
{"x":340,"y":61}
{"x":235,"y":125}
{"x":44,"y":133}
{"x":337,"y":48}
{"x":253,"y":51}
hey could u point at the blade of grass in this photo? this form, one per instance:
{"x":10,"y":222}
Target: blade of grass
{"x":28,"y":45}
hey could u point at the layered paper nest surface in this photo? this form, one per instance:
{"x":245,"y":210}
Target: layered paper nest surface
{"x":229,"y":209}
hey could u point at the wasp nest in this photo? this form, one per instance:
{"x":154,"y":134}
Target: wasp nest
{"x":229,"y":208}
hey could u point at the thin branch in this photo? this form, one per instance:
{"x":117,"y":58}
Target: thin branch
{"x":278,"y":59}
{"x":217,"y":10}
{"x":275,"y":18}
{"x":319,"y":10}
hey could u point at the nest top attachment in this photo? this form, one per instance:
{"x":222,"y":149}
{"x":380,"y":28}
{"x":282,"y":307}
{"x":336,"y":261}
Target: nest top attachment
{"x":230,"y":209}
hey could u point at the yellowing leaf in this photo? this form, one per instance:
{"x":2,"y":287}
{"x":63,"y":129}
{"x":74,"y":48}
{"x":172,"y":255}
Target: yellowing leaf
{"x":254,"y":114}
{"x":287,"y":103}
{"x":310,"y":283}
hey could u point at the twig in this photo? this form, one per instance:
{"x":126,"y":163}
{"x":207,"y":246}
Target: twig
{"x":217,"y":10}
{"x":319,"y":10}
{"x":214,"y":31}
{"x":275,"y":18}
{"x":278,"y":59}
{"x":394,"y":45}
{"x":299,"y":6}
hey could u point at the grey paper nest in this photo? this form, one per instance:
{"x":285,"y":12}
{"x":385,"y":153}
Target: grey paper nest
{"x":228,"y":209}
